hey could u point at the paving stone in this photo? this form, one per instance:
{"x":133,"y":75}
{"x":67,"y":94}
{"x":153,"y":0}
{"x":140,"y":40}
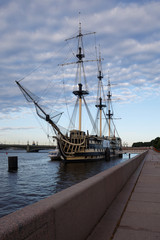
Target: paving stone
{"x":141,"y":219}
{"x":146,"y":197}
{"x":143,"y":207}
{"x":131,"y":234}
{"x":146,"y":189}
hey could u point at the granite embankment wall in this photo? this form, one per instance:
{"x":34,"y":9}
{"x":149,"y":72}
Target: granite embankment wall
{"x":71,"y":214}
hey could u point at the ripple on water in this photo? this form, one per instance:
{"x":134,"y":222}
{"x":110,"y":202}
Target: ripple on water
{"x":38,"y":177}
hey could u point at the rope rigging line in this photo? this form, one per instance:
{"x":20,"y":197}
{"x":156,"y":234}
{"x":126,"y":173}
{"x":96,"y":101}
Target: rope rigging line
{"x":71,"y":49}
{"x":66,"y":59}
{"x":88,"y":49}
{"x":95,"y":127}
{"x":37,"y":119}
{"x":105,"y":100}
{"x":115,"y":128}
{"x":97,"y":100}
{"x":89,"y":114}
{"x":96,"y":50}
{"x":48,"y":136}
{"x":65,"y":97}
{"x":36,"y":68}
{"x":107,"y":122}
{"x":76,"y":80}
{"x":73,"y":117}
{"x":85,"y":80}
{"x":49,"y":86}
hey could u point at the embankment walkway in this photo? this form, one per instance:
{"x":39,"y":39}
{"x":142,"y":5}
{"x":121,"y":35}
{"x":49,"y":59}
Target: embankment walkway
{"x":135,"y":213}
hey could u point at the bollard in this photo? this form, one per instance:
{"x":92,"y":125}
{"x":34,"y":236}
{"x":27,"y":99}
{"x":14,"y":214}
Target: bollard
{"x":12,"y":163}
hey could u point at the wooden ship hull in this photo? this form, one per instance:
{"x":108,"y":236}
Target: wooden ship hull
{"x":80,"y":147}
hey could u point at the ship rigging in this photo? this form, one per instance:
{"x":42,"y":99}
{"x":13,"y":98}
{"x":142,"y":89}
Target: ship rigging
{"x":78,"y":145}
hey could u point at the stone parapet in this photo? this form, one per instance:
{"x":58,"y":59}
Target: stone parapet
{"x":72,"y":213}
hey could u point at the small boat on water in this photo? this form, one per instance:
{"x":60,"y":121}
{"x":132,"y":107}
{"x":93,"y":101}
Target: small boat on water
{"x":54,"y":155}
{"x":78,"y":145}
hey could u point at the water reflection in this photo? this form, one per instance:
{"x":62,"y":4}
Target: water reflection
{"x":72,"y":173}
{"x":38,"y":177}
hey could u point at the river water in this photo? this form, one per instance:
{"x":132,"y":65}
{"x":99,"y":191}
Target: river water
{"x":38,"y":177}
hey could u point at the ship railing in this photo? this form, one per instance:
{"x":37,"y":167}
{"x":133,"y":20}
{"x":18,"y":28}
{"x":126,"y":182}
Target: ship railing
{"x":71,"y":148}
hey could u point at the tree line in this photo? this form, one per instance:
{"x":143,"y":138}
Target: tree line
{"x":153,"y":143}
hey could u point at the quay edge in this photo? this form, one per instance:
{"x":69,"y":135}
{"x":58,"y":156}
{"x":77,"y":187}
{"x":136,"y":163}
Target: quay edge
{"x":74,"y":212}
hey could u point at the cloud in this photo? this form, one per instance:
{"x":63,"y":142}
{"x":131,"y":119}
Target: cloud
{"x":33,"y":33}
{"x":131,"y":19}
{"x":16,"y":128}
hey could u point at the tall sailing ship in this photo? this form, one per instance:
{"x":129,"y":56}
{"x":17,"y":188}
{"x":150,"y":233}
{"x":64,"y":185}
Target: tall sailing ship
{"x":78,"y":145}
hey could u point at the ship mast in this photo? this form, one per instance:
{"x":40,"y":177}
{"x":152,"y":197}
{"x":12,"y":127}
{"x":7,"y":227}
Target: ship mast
{"x":109,"y":114}
{"x":100,"y":88}
{"x":80,"y":92}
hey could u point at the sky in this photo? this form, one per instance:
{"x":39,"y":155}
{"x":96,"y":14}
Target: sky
{"x":32,"y":44}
